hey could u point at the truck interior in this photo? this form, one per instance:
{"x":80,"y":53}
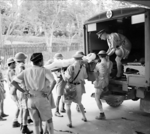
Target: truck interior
{"x":134,"y":32}
{"x":132,"y":26}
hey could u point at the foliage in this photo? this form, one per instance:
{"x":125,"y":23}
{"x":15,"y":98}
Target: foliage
{"x":51,"y":18}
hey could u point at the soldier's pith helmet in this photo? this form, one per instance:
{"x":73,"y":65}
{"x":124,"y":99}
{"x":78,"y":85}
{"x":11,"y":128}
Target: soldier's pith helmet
{"x":77,"y":56}
{"x":80,"y":52}
{"x":102,"y":52}
{"x":10,"y":60}
{"x":20,"y":56}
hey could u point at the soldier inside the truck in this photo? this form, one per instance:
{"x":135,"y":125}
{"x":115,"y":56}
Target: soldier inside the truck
{"x":133,"y":31}
{"x":117,"y":44}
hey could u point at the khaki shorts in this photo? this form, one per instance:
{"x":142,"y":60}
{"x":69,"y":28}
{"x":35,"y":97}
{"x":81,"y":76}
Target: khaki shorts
{"x":51,"y":100}
{"x":101,"y":91}
{"x":60,"y":87}
{"x":2,"y":94}
{"x":39,"y":107}
{"x":23,"y":104}
{"x":125,"y":52}
{"x":21,"y":100}
{"x":78,"y":97}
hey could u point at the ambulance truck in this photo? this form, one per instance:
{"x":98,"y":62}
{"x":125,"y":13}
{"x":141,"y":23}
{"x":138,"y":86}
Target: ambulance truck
{"x":134,"y":23}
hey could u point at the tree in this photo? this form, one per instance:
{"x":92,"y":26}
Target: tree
{"x":73,"y":16}
{"x":26,"y":17}
{"x":10,"y":16}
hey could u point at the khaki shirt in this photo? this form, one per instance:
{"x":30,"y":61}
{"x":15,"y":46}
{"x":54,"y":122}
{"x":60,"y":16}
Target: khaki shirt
{"x":35,"y":78}
{"x":1,"y":82}
{"x":72,"y":71}
{"x":118,"y":40}
{"x":19,"y":69}
{"x":10,"y":76}
{"x":102,"y":71}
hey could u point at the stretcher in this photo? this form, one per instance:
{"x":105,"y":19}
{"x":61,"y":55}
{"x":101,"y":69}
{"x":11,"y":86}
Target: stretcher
{"x":57,"y":65}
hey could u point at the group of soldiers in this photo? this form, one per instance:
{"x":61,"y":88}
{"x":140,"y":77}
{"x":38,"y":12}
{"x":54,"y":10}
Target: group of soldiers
{"x":31,"y":88}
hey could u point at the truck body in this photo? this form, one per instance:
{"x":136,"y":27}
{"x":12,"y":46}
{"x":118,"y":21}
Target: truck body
{"x":134,"y":23}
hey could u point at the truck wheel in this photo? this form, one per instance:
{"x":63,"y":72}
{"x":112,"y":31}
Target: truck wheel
{"x":114,"y":101}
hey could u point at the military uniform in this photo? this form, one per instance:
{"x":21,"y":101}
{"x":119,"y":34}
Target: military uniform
{"x":119,"y":41}
{"x":102,"y":79}
{"x":2,"y":90}
{"x":102,"y":71}
{"x":70,"y":74}
{"x":10,"y":75}
{"x":85,"y":76}
{"x":50,"y":97}
{"x":21,"y":97}
{"x":60,"y":85}
{"x":35,"y":82}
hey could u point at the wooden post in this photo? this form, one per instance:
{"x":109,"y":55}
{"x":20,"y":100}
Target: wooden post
{"x":84,"y":36}
{"x":86,"y":43}
{"x":147,"y":47}
{"x":1,"y":39}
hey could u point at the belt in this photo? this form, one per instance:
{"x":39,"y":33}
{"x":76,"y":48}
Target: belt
{"x":76,"y":83}
{"x":36,"y":94}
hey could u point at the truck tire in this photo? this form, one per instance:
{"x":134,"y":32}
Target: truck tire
{"x":114,"y":100}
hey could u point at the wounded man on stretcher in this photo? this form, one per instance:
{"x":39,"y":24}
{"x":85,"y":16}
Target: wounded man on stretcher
{"x":57,"y":65}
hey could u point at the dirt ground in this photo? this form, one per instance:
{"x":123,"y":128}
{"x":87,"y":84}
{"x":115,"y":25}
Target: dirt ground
{"x":126,"y":119}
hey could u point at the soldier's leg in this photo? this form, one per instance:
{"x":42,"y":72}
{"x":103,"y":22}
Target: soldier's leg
{"x":82,"y":112}
{"x":2,"y":97}
{"x":68,"y":111}
{"x":25,"y":128}
{"x":16,"y":123}
{"x":17,"y":112}
{"x":62,"y":105}
{"x":21,"y":117}
{"x":57,"y":107}
{"x":50,"y":126}
{"x":29,"y":118}
{"x":119,"y":54}
{"x":77,"y":106}
{"x":46,"y":128}
{"x":1,"y":118}
{"x":119,"y":66}
{"x":2,"y":108}
{"x":78,"y":100}
{"x":98,"y":93}
{"x":36,"y":120}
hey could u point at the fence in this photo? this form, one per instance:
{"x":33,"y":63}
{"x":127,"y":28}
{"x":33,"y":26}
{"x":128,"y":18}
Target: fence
{"x":48,"y":52}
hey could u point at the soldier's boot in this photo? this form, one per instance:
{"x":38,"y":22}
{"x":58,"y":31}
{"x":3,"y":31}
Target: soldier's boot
{"x":25,"y":130}
{"x":101,"y":116}
{"x":16,"y":124}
